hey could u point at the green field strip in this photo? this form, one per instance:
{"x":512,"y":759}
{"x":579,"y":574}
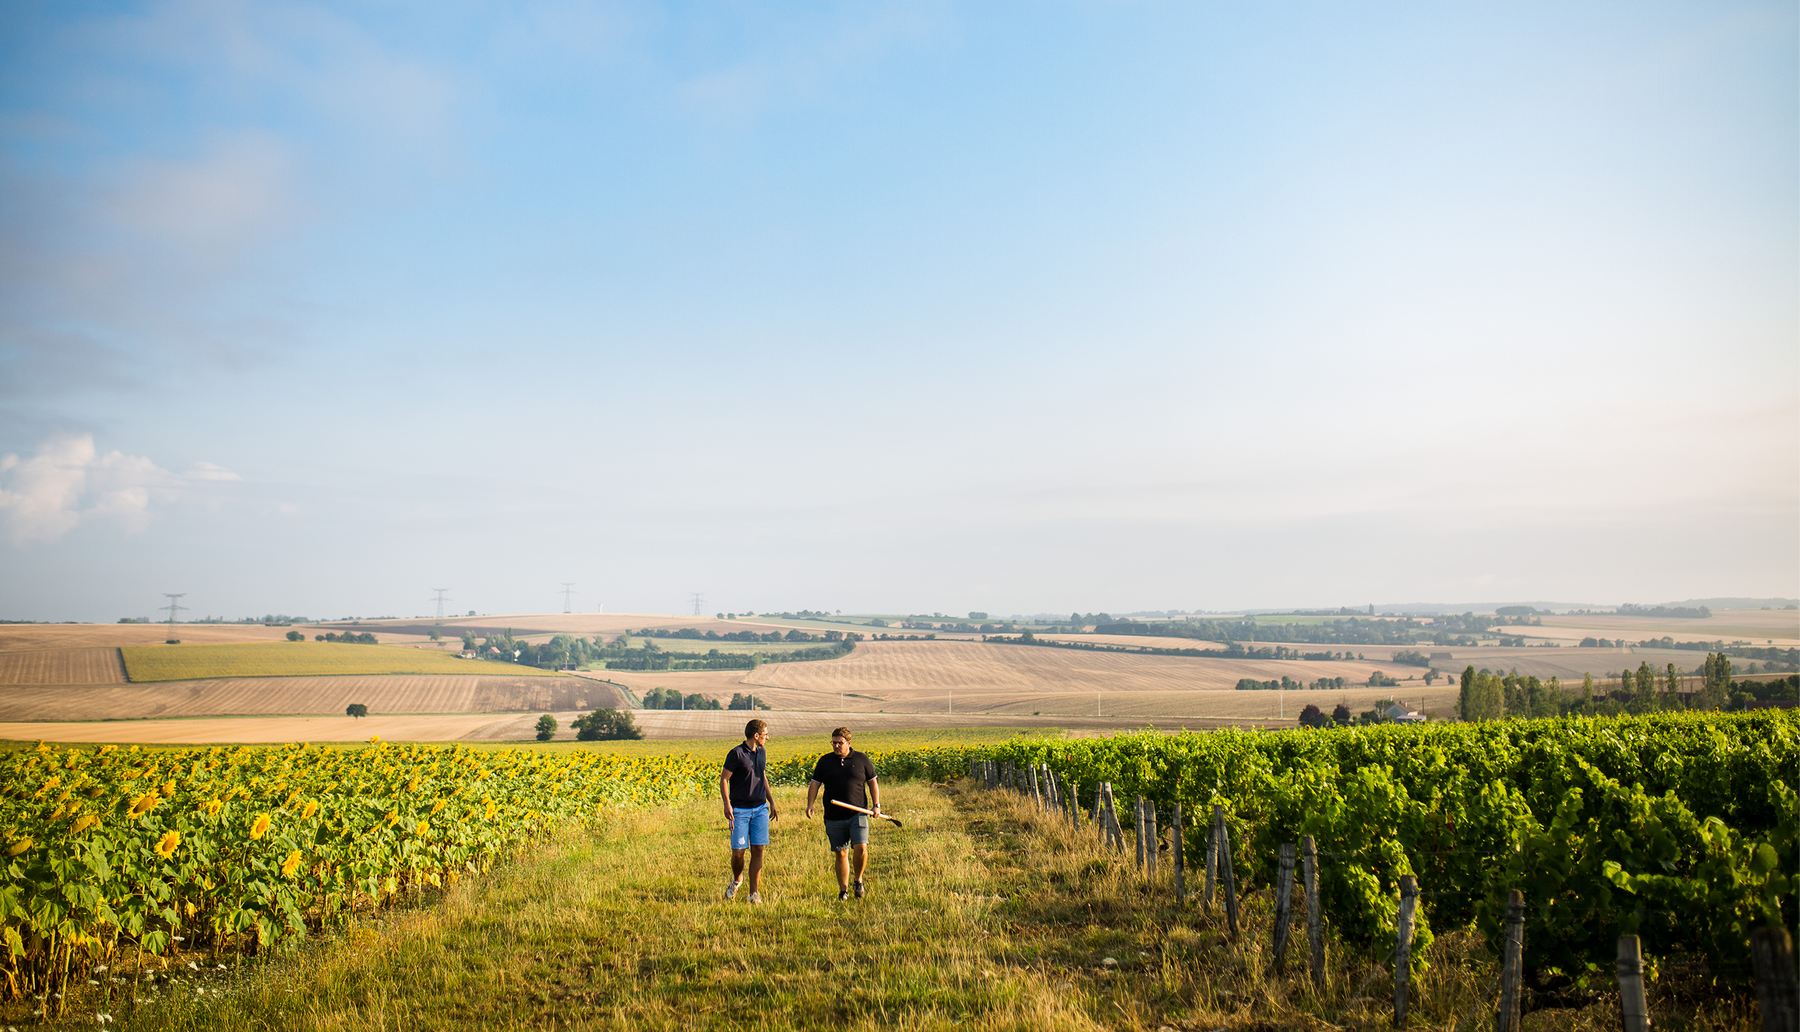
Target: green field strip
{"x":150,"y":663}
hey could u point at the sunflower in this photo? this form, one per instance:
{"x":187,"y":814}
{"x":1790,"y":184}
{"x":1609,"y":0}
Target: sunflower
{"x":166,"y":848}
{"x":291,"y":864}
{"x":260,"y":826}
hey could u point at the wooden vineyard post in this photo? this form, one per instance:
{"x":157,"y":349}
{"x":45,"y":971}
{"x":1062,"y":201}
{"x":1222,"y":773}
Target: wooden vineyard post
{"x":1153,"y":844}
{"x":1212,"y":854}
{"x":1035,"y":796}
{"x":1772,"y":955}
{"x":1099,"y":811}
{"x":1512,"y":964}
{"x":1176,"y":859}
{"x":1409,"y":901}
{"x":1634,"y":1011}
{"x":1284,"y":909}
{"x":1315,"y":917}
{"x":1115,"y":829}
{"x":1137,"y":809}
{"x":1227,"y":876}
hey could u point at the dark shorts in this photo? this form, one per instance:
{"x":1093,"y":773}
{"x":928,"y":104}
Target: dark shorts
{"x":844,"y":834}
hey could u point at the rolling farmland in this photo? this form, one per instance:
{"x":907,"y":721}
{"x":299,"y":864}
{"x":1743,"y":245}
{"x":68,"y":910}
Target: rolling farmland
{"x":306,"y":695}
{"x":62,"y":666}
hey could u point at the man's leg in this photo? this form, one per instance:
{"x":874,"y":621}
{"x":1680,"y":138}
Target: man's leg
{"x":862,"y":860}
{"x":737,"y":864}
{"x":843,"y":868}
{"x":755,"y":869}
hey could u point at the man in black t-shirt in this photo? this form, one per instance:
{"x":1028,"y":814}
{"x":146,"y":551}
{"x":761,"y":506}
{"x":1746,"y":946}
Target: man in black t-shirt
{"x":748,"y":806}
{"x":848,"y":776}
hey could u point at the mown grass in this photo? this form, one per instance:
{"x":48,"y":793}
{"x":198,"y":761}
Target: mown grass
{"x":982,"y":914}
{"x":300,"y":659}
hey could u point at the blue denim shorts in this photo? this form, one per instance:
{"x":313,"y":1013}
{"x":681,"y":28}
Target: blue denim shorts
{"x":749,"y":826}
{"x":844,"y":834}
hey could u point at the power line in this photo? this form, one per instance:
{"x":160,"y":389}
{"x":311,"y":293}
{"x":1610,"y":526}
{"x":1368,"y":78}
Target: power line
{"x":698,"y":601}
{"x":568,"y":592}
{"x":440,"y":601}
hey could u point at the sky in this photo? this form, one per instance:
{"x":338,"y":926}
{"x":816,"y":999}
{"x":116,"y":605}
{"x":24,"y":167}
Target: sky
{"x":894,"y":307}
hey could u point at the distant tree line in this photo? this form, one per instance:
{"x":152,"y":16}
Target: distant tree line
{"x":1679,"y":612}
{"x":348,"y":637}
{"x":669,"y":698}
{"x":568,"y":652}
{"x":1251,"y":684}
{"x":1487,"y":695}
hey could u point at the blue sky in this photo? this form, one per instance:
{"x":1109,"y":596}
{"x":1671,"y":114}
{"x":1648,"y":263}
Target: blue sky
{"x":895,"y":307}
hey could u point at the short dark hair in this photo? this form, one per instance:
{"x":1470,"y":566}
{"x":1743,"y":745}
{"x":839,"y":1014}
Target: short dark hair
{"x":841,"y":732}
{"x":754,"y":728}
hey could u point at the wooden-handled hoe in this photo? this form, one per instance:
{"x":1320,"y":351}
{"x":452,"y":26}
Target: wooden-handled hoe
{"x":893,"y":820}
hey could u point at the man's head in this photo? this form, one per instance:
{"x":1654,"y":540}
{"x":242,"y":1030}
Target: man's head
{"x":756,"y":732}
{"x":840,"y":741}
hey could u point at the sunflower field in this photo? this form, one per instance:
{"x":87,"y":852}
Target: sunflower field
{"x":239,"y":848}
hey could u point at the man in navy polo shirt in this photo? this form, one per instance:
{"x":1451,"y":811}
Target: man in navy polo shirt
{"x":748,"y":806}
{"x":848,"y":775}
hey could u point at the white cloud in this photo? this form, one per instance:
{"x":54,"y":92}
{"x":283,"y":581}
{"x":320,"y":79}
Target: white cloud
{"x":69,"y":482}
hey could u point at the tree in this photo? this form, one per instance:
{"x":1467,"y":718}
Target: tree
{"x":1646,"y":684}
{"x":1718,"y":680}
{"x":468,"y":641}
{"x":546,"y":728}
{"x":295,"y":636}
{"x":605,"y":725}
{"x":1313,"y":716}
{"x":356,"y":709}
{"x":1587,"y":685}
{"x":1341,"y":715}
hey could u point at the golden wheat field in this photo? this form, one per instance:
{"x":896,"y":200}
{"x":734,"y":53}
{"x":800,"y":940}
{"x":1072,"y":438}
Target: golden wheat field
{"x":419,"y":693}
{"x":62,"y":666}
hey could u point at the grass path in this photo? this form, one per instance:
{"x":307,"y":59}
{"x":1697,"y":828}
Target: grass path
{"x":982,"y":914}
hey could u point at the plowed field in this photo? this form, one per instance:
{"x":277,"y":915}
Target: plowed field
{"x":62,"y":666}
{"x":303,"y":695}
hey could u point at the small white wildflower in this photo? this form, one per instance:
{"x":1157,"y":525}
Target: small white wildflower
{"x":221,"y":967}
{"x":179,"y":938}
{"x":193,"y":965}
{"x":92,"y":982}
{"x":99,"y":968}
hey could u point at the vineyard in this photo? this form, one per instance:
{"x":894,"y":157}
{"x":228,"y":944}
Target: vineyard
{"x":1680,"y":829}
{"x":235,"y":850}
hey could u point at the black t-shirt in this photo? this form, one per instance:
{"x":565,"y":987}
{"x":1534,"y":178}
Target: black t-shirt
{"x":748,"y":788}
{"x":846,"y":778}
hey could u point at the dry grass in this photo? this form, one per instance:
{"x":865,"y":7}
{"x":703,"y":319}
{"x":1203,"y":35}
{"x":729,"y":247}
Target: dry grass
{"x":983,"y":914}
{"x":62,"y":666}
{"x":285,"y":696}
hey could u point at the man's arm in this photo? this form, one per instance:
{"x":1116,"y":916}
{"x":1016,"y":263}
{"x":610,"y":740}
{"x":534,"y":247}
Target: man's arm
{"x":812,"y":793}
{"x":874,"y":795}
{"x":725,"y":791}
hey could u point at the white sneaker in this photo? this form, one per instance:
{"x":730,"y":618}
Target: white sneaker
{"x":731,"y":889}
{"x":756,"y":897}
